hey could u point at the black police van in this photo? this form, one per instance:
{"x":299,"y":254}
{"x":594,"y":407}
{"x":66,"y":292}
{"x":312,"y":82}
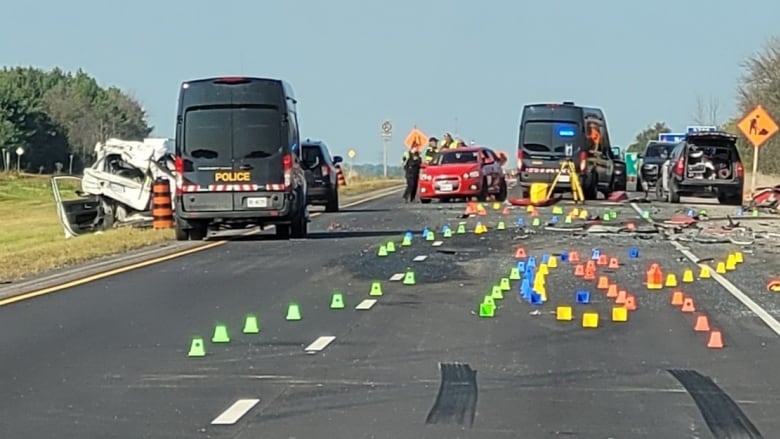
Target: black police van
{"x":551,"y":133}
{"x":238,"y":158}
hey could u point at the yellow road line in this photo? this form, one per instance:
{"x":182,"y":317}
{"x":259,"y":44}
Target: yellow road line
{"x":148,"y":262}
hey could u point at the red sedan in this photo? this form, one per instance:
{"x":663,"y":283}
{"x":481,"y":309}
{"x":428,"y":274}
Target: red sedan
{"x":474,"y":171}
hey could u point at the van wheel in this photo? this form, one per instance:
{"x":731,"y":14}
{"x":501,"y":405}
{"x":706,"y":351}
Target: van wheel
{"x":502,"y":192}
{"x":333,"y":202}
{"x":182,"y":234}
{"x":299,"y":227}
{"x":734,"y":199}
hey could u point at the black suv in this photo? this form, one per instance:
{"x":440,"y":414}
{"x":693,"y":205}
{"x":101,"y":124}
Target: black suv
{"x":704,"y":164}
{"x":649,"y":163}
{"x":237,"y":158}
{"x":321,"y":174}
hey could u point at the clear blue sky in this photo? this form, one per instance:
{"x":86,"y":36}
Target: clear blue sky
{"x":354,"y":63}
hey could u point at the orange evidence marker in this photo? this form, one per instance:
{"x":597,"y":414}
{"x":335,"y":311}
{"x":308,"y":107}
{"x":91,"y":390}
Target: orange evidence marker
{"x":687,"y":305}
{"x":602,"y":260}
{"x":590,"y":265}
{"x":579,"y":270}
{"x":702,"y":324}
{"x":677,"y":298}
{"x":613,"y":263}
{"x":590,"y":274}
{"x":630,"y":302}
{"x":654,"y":278}
{"x":613,"y":291}
{"x":603,"y":283}
{"x":574,"y":257}
{"x":520,"y":253}
{"x":716,"y":340}
{"x":621,"y":297}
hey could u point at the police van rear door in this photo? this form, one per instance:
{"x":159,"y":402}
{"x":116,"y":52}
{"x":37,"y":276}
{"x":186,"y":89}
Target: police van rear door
{"x":207,"y":157}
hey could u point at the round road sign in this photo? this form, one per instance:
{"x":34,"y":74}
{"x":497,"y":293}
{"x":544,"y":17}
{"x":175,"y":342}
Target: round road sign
{"x":19,"y":151}
{"x":351,"y":153}
{"x":387,"y":127}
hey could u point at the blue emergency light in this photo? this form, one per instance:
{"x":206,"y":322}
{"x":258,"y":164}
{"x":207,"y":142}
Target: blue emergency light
{"x":565,"y":132}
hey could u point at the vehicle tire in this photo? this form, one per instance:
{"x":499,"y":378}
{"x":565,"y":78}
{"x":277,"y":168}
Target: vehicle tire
{"x":639,"y":187}
{"x":591,"y":191}
{"x":659,"y":191}
{"x":621,"y":185}
{"x":502,"y":191}
{"x":282,"y":231}
{"x":425,"y":200}
{"x":674,"y":196}
{"x":182,"y":234}
{"x":484,"y":191}
{"x":299,"y":227}
{"x":333,"y":202}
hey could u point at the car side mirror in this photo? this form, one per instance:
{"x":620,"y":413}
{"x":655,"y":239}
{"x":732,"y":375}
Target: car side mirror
{"x":640,"y":155}
{"x":337,"y":159}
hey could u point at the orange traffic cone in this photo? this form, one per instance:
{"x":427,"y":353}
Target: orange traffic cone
{"x":716,"y":340}
{"x":702,"y":324}
{"x":630,"y":302}
{"x":687,"y":305}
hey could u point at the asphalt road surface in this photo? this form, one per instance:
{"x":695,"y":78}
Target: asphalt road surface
{"x":110,"y":358}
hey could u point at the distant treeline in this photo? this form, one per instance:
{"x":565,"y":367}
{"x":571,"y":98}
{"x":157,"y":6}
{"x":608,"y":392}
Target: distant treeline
{"x":53,"y":114}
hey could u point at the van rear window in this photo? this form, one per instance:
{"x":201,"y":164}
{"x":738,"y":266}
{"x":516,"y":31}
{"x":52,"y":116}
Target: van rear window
{"x":232,"y":133}
{"x":549,"y":137}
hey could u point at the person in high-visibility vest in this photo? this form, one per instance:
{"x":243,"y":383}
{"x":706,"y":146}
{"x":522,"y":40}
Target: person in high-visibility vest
{"x":432,"y":149}
{"x":447,"y":142}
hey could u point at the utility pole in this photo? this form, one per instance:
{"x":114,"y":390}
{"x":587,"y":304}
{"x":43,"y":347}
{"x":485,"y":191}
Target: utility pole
{"x":387,"y":135}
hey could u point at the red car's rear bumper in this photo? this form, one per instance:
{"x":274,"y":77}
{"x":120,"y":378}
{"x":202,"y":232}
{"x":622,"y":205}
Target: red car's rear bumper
{"x":450,"y":187}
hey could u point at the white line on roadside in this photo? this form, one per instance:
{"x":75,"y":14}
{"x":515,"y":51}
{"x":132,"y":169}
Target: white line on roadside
{"x":420,"y":258}
{"x":437,"y":243}
{"x":235,"y":412}
{"x":738,"y":294}
{"x":319,"y":344}
{"x":366,"y":304}
{"x":397,"y":277}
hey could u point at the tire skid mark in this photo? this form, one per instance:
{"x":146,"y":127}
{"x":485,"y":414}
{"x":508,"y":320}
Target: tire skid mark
{"x":723,"y":416}
{"x":456,"y":402}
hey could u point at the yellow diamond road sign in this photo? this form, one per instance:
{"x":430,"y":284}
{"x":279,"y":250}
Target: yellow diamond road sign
{"x":758,"y":126}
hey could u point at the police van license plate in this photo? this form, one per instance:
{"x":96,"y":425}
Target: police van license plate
{"x":564,"y":178}
{"x":257,"y":202}
{"x":445,"y":187}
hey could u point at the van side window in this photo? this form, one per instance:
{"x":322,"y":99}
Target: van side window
{"x":594,"y":136}
{"x":292,"y":136}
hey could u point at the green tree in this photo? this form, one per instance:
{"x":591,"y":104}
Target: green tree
{"x":53,"y":114}
{"x":646,"y":135}
{"x":760,"y":84}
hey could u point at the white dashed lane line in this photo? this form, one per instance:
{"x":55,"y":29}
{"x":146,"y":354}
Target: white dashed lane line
{"x":319,"y":344}
{"x":235,"y":412}
{"x":738,"y":294}
{"x":366,"y":304}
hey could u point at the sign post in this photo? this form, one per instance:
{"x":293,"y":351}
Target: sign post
{"x":387,"y":135}
{"x":351,"y":154}
{"x":758,"y":127}
{"x":19,"y":153}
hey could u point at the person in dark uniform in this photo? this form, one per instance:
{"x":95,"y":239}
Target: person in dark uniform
{"x":412,"y":164}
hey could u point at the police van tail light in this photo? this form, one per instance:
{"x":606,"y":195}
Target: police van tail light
{"x":679,"y":167}
{"x":287,"y":164}
{"x":178,"y":165}
{"x":519,"y":160}
{"x":740,"y":170}
{"x":583,"y":161}
{"x":325,"y":171}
